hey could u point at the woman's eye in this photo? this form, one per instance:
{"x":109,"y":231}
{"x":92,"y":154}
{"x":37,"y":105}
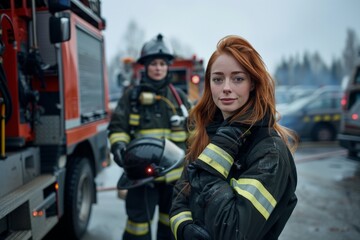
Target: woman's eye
{"x":238,"y":79}
{"x":216,"y":80}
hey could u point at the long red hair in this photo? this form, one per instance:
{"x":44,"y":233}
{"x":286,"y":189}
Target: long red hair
{"x":261,"y":102}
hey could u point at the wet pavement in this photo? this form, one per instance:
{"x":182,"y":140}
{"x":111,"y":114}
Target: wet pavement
{"x":329,"y":196}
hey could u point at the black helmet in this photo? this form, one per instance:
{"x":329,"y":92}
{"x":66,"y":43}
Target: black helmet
{"x":147,"y":158}
{"x":154,"y":48}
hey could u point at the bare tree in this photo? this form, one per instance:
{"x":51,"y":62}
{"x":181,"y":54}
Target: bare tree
{"x":350,"y":52}
{"x":181,"y":50}
{"x":133,"y":39}
{"x":130,"y":47}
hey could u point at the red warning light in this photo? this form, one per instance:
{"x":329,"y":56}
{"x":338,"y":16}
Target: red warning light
{"x":149,"y":170}
{"x":355,"y":116}
{"x":195,"y":79}
{"x":38,"y":213}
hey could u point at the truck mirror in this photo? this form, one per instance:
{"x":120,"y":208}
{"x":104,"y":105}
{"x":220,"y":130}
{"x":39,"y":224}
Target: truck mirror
{"x":59,"y":28}
{"x":58,"y":5}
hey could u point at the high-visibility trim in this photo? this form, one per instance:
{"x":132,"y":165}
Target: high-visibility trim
{"x":322,"y":118}
{"x":160,"y":179}
{"x":117,"y":137}
{"x":256,"y":193}
{"x":217,"y":158}
{"x":317,"y":118}
{"x":178,"y":136}
{"x":306,"y":119}
{"x":336,"y":117}
{"x":155,"y":133}
{"x":137,"y":229}
{"x":179,"y":218}
{"x":173,"y":175}
{"x":134,"y":119}
{"x":164,"y":219}
{"x":327,"y":118}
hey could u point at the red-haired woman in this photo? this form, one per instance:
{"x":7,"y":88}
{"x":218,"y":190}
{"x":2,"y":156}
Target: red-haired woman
{"x":240,"y":177}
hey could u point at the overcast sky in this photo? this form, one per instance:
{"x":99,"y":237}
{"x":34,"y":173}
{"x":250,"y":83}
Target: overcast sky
{"x":276,"y":28}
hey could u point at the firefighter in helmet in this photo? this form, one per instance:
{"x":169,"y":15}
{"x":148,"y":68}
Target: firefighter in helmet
{"x":152,"y":109}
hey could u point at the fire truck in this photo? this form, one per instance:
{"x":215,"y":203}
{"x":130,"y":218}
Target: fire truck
{"x":186,"y":74}
{"x":54,"y":116}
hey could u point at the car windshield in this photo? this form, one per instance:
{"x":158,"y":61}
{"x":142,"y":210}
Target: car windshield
{"x":298,"y":104}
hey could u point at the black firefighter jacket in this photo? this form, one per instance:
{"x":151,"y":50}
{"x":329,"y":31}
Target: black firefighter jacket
{"x":131,"y":120}
{"x":252,"y":201}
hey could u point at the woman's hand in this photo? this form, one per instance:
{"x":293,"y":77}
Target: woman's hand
{"x":195,"y":232}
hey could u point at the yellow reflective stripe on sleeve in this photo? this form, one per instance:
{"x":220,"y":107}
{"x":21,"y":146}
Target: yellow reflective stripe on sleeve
{"x":173,"y":175}
{"x":179,"y":218}
{"x":256,"y":193}
{"x":137,"y":228}
{"x":116,"y":137}
{"x":217,"y":158}
{"x":178,"y":136}
{"x":164,"y":219}
{"x":160,"y":179}
{"x":155,"y":133}
{"x":134,"y":119}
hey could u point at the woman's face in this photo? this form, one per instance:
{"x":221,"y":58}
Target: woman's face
{"x":157,"y":69}
{"x":230,"y":84}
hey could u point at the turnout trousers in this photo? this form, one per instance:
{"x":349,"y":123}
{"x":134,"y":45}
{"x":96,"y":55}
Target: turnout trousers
{"x":140,"y":206}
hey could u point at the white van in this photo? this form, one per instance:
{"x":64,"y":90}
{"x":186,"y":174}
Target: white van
{"x":349,"y":134}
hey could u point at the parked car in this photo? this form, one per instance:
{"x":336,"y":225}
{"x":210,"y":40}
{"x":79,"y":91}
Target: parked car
{"x":299,"y":91}
{"x":315,"y":117}
{"x":282,"y":97}
{"x":349,"y":135}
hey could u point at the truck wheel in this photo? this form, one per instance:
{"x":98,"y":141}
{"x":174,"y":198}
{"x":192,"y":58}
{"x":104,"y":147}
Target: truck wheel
{"x":79,"y":196}
{"x":323,"y":132}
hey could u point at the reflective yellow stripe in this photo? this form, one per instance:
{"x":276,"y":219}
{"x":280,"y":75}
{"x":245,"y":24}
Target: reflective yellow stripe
{"x":217,"y":158}
{"x":164,"y":219}
{"x":116,"y":137}
{"x":256,"y":193}
{"x":155,"y":133}
{"x":173,"y":175}
{"x":317,"y":118}
{"x":160,"y":179}
{"x":327,"y":118}
{"x":137,"y":228}
{"x":306,"y":119}
{"x":336,"y":117}
{"x":178,"y":136}
{"x":134,"y":119}
{"x":179,"y":218}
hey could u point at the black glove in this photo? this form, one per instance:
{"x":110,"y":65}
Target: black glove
{"x":198,"y":177}
{"x":118,"y":149}
{"x":230,"y":138}
{"x":195,"y":232}
{"x":204,"y":184}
